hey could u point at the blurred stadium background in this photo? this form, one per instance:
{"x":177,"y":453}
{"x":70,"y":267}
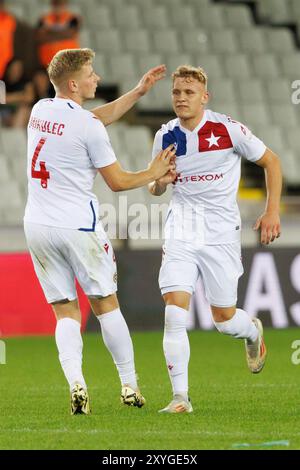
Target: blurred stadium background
{"x":250,"y":50}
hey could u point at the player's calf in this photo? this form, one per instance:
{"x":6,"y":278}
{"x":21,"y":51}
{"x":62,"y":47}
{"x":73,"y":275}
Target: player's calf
{"x":239,"y":325}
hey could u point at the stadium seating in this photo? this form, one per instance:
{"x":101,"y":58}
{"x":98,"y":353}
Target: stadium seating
{"x":102,"y":68}
{"x":138,"y":42}
{"x":279,"y":40}
{"x":250,"y":69}
{"x":291,"y":65}
{"x":5,"y":172}
{"x":238,"y":17}
{"x":266,"y":65}
{"x":98,"y":17}
{"x":166,"y":41}
{"x":284,"y":115}
{"x":109,"y":41}
{"x":222,"y":90}
{"x":278,"y":91}
{"x":250,"y":91}
{"x":156,"y":18}
{"x":210,"y":16}
{"x":255,"y":114}
{"x":122,"y":67}
{"x":252,"y":40}
{"x":195,"y":40}
{"x":173,"y":60}
{"x":237,"y":66}
{"x":183,"y":17}
{"x":274,"y":11}
{"x":211,"y":63}
{"x":147,"y":61}
{"x":13,"y":142}
{"x":224,"y":41}
{"x":128,"y":16}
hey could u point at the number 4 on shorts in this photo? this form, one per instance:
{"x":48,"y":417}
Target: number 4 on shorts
{"x":41,"y":174}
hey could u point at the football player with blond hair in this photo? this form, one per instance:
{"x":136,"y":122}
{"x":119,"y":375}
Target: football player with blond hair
{"x":67,"y":147}
{"x":203,"y":226}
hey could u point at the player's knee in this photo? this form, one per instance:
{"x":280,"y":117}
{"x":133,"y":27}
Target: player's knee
{"x":66,"y":309}
{"x":179,"y":299}
{"x":222,"y":314}
{"x":101,"y":305}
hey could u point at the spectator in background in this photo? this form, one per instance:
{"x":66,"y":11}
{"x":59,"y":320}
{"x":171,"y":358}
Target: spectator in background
{"x":7,"y":31}
{"x":19,"y":96}
{"x":57,"y":30}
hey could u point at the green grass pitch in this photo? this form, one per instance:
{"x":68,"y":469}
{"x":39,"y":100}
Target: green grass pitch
{"x":231,"y":405}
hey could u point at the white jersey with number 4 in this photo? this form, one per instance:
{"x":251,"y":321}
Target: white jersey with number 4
{"x":66,"y":145}
{"x":208,"y":165}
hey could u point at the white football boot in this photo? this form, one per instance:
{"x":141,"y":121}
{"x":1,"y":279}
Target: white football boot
{"x":256,"y":352}
{"x":132,"y":397}
{"x":80,"y":403}
{"x":178,"y":405}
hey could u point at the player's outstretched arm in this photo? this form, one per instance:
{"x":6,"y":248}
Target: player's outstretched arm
{"x":120,"y":180}
{"x":269,"y":221}
{"x":111,"y":112}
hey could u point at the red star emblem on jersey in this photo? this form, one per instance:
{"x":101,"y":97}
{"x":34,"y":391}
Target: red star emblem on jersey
{"x":214,"y":136}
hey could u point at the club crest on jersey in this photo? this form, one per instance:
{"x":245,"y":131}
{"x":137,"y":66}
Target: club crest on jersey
{"x":214,"y":136}
{"x":106,"y":247}
{"x":176,"y":137}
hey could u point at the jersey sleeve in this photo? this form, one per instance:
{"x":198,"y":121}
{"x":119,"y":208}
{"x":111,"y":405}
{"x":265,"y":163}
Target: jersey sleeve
{"x":98,"y":144}
{"x":157,"y":144}
{"x":244,"y":142}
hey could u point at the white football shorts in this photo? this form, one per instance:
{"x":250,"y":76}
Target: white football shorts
{"x":219,"y":266}
{"x":60,"y":255}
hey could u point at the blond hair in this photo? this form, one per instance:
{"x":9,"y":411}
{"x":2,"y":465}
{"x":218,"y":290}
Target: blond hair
{"x":68,"y":61}
{"x":197,"y":73}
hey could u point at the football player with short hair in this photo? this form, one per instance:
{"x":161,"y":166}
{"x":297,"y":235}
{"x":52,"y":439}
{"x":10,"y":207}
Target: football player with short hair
{"x":67,"y":147}
{"x":203,"y":226}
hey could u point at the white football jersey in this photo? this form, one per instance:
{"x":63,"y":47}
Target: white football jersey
{"x":208,"y":165}
{"x":66,"y":145}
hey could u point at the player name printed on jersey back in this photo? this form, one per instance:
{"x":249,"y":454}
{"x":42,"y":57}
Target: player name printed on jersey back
{"x":66,"y":146}
{"x":208,"y":164}
{"x":46,"y":126}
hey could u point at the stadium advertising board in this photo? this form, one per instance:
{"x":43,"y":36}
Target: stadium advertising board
{"x":269,"y":288}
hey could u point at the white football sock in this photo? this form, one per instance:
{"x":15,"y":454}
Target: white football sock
{"x":69,"y":344}
{"x":117,"y":339}
{"x":177,"y":348}
{"x":239,"y":326}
